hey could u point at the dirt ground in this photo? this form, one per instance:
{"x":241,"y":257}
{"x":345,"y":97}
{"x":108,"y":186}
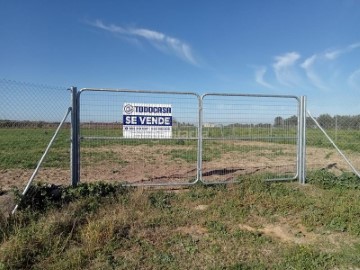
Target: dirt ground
{"x":166,"y":164}
{"x":287,"y":230}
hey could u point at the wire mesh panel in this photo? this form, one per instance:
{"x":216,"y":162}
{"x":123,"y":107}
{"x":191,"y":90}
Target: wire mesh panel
{"x":29,"y":116}
{"x":344,"y":132}
{"x":139,"y":137}
{"x":249,"y":134}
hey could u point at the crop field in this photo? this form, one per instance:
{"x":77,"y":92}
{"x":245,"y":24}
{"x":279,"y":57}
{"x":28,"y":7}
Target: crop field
{"x":227,"y":153}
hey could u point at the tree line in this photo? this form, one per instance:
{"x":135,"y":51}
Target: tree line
{"x":29,"y":124}
{"x":325,"y":121}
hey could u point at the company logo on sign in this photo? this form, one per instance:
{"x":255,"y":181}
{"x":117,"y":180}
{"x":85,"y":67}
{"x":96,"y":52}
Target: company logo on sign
{"x":147,"y":120}
{"x":128,"y":109}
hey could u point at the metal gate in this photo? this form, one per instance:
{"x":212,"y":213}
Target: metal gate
{"x":251,"y":134}
{"x":139,"y":152}
{"x":179,"y":138}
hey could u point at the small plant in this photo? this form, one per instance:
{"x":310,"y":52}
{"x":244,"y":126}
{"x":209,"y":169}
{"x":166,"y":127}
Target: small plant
{"x":216,"y":227}
{"x":42,"y":196}
{"x":328,"y":180}
{"x":161,"y":199}
{"x":303,"y":257}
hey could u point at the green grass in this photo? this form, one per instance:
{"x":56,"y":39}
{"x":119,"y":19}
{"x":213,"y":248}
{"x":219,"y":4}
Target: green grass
{"x":23,"y":147}
{"x":103,"y":226}
{"x":344,"y":139}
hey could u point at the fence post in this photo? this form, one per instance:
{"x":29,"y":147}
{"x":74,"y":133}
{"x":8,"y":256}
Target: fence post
{"x":302,"y":141}
{"x":75,"y":147}
{"x":200,"y":137}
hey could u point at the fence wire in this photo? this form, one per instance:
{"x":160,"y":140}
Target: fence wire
{"x":241,"y":135}
{"x":344,"y":131}
{"x":247,"y":135}
{"x":29,"y":116}
{"x":107,"y":153}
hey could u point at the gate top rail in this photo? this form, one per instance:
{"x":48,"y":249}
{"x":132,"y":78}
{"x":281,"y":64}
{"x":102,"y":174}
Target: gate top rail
{"x":250,"y":95}
{"x":139,"y":91}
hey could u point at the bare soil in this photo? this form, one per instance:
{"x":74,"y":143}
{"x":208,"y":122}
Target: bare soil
{"x":166,"y":164}
{"x":288,"y":230}
{"x":7,"y":203}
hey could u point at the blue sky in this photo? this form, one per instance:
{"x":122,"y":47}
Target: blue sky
{"x":308,"y":47}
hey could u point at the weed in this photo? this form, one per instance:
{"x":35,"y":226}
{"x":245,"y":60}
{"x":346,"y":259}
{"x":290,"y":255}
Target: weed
{"x":302,"y":257}
{"x":161,"y":200}
{"x":216,"y":227}
{"x":328,"y":180}
{"x":104,"y":226}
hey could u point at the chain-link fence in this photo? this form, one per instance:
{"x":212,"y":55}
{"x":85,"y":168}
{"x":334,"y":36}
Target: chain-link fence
{"x":338,"y":150}
{"x":29,"y":116}
{"x":216,"y":138}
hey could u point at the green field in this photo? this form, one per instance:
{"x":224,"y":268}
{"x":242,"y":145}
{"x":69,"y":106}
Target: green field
{"x":249,"y":225}
{"x":22,"y":147}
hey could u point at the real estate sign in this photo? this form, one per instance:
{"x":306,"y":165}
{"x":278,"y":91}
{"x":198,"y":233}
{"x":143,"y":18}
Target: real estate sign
{"x":143,"y":120}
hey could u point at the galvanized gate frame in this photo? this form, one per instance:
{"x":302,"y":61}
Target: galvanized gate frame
{"x":75,"y":132}
{"x":301,"y":132}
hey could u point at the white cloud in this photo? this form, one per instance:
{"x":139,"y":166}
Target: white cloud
{"x":111,"y":28}
{"x":308,"y":66}
{"x":309,"y":62}
{"x":259,"y":77}
{"x":331,"y":55}
{"x":159,"y":40}
{"x":354,"y":80}
{"x":321,"y":60}
{"x":354,"y":46}
{"x":148,"y":34}
{"x":284,"y":68}
{"x":322,"y":70}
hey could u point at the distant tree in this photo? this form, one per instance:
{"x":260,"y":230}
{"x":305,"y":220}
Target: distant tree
{"x":326,"y":121}
{"x":278,"y":121}
{"x":291,"y":121}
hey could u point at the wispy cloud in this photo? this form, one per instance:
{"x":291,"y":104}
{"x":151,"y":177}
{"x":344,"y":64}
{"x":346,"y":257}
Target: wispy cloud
{"x":260,"y":77}
{"x":333,"y":54}
{"x":159,"y":40}
{"x":321,"y":69}
{"x":308,"y":66}
{"x":354,"y":80}
{"x":283,"y":68}
{"x":321,"y":59}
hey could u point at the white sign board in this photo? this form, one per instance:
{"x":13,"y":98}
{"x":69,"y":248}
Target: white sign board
{"x":150,"y":121}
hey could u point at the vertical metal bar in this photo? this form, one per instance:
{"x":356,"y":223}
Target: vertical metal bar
{"x":200,"y":136}
{"x":75,"y":165}
{"x":301,"y":155}
{"x":298,"y":141}
{"x":302,"y":169}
